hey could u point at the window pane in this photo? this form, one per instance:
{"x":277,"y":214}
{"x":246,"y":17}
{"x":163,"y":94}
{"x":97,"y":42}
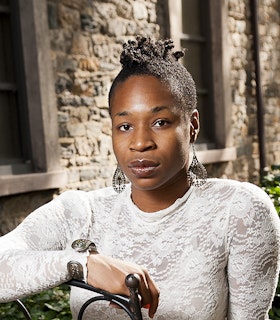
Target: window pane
{"x":193,"y":60}
{"x":6,"y":65}
{"x":191,"y":11}
{"x":9,"y":132}
{"x":197,"y":58}
{"x":4,"y":2}
{"x":10,"y":137}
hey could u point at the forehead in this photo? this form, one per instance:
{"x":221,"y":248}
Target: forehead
{"x":141,"y":90}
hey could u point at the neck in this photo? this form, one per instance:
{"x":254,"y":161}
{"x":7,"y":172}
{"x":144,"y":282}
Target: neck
{"x":158,"y":199}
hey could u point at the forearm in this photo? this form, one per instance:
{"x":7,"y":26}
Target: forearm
{"x":27,"y":272}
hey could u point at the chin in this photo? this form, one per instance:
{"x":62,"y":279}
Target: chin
{"x":146,"y":185}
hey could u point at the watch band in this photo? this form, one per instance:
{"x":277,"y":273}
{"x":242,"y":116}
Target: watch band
{"x":75,"y":269}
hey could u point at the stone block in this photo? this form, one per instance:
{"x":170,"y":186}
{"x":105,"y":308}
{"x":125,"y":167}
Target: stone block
{"x":66,"y":141}
{"x":80,"y":44}
{"x":76,"y":129}
{"x":68,"y":17}
{"x":93,"y":129}
{"x":84,"y":146}
{"x":87,"y":173}
{"x":73,"y":175}
{"x":140,"y":11}
{"x":116,"y":27}
{"x":62,"y":117}
{"x":82,"y":161}
{"x":101,"y":101}
{"x":88,"y":64}
{"x":124,"y":9}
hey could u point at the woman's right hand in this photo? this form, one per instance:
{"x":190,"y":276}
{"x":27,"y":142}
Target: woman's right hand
{"x":109,"y":274}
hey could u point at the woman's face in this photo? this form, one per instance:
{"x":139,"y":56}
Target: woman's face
{"x":150,"y":135}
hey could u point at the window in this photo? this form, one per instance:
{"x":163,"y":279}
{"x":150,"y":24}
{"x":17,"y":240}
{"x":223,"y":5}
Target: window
{"x":13,"y":150}
{"x":195,"y":38}
{"x":200,"y":28}
{"x":29,"y":157}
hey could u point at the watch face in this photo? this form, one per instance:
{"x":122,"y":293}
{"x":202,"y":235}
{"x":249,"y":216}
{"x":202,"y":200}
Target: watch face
{"x":81,"y":245}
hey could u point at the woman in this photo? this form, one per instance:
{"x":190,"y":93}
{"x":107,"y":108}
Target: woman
{"x":211,"y":248}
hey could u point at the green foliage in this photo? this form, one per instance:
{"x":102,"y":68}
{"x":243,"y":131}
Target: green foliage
{"x":52,"y":304}
{"x":271,"y":185}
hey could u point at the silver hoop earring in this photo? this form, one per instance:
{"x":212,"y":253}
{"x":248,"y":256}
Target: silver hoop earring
{"x":119,"y":180}
{"x":197,"y":173}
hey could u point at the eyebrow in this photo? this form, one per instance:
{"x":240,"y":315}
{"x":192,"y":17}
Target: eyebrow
{"x":156,"y":109}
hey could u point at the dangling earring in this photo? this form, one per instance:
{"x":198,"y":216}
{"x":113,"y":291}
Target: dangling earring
{"x":118,"y":180}
{"x":197,"y":173}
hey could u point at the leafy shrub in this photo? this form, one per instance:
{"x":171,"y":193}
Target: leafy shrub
{"x":52,"y":304}
{"x":271,"y":185}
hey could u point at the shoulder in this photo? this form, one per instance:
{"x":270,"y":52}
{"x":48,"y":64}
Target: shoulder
{"x":238,"y":188}
{"x":83,"y":206}
{"x":243,"y":199}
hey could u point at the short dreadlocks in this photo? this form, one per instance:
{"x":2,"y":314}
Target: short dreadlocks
{"x":156,"y":58}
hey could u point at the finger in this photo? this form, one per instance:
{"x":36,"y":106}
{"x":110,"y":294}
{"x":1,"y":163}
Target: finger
{"x":144,"y":290}
{"x":149,"y":292}
{"x":154,"y":293}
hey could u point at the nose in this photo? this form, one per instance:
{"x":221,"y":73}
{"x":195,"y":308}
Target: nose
{"x":142,"y":140}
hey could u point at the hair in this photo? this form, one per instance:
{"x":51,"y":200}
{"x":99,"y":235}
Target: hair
{"x":143,"y":56}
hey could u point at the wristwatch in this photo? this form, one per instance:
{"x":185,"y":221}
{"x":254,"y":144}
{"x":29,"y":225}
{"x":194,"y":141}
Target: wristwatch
{"x":75,"y":268}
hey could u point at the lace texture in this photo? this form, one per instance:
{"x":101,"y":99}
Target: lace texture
{"x":214,"y":253}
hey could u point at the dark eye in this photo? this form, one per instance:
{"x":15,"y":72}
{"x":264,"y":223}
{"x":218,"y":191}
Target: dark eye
{"x":124,"y":127}
{"x":160,"y":123}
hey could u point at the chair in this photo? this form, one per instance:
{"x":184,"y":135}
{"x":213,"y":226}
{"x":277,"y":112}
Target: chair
{"x":130,"y":304}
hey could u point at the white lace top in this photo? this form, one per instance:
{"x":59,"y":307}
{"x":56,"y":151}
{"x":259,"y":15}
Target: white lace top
{"x":214,"y":253}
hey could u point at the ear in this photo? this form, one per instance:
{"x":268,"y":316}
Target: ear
{"x":194,"y":125}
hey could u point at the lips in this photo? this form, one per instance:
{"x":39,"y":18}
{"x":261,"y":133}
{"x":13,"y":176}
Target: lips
{"x":143,"y":168}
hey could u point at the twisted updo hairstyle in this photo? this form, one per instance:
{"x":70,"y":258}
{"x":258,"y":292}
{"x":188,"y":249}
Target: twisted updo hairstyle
{"x":143,"y":56}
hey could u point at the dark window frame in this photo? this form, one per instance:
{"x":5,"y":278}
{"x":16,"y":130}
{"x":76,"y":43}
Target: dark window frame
{"x":41,"y":112}
{"x":14,"y":132}
{"x":221,"y":149}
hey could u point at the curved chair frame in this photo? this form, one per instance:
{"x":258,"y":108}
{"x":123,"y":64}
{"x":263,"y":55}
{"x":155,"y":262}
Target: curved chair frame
{"x":130,"y":304}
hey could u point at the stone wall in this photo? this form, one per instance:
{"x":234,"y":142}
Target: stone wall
{"x":270,"y":57}
{"x":86,"y":40}
{"x":243,"y":86}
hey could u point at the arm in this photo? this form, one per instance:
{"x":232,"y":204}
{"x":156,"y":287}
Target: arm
{"x":253,"y":264}
{"x":34,"y":256}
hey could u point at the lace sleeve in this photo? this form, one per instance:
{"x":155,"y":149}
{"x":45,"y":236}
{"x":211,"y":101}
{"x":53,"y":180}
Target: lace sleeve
{"x":253,"y":255}
{"x":34,"y":256}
